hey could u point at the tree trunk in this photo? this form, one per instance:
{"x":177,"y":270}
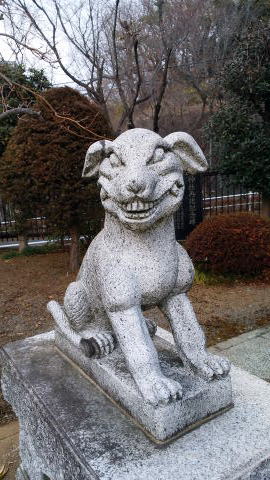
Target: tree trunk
{"x":62,"y":242}
{"x":266,"y":207}
{"x":74,"y":252}
{"x":156,"y":117}
{"x":161,"y":93}
{"x":23,"y":242}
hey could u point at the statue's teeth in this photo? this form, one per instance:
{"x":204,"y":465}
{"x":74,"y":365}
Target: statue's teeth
{"x":143,"y":207}
{"x":138,"y":207}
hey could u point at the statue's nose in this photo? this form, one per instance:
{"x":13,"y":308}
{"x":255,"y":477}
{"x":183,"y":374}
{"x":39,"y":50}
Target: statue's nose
{"x":136,"y":185}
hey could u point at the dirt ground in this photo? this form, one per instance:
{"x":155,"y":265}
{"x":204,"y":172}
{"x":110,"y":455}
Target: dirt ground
{"x":28,"y":283}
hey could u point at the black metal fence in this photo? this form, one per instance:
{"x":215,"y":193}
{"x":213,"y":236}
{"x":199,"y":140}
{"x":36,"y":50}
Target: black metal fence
{"x":211,"y":193}
{"x":190,"y":212}
{"x":36,"y":226}
{"x":221,"y":195}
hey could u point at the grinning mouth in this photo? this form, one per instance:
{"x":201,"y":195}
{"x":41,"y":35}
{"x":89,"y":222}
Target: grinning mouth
{"x":138,"y":209}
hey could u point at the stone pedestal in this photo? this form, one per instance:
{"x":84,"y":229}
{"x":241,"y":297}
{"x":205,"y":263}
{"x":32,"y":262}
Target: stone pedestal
{"x":70,"y":430}
{"x":201,"y":400}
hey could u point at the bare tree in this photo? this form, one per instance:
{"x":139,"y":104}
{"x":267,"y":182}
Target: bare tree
{"x":126,"y":54}
{"x":108,"y":46}
{"x":86,"y":132}
{"x":129,"y":97}
{"x":215,"y":27}
{"x":143,"y":42}
{"x":55,"y":26}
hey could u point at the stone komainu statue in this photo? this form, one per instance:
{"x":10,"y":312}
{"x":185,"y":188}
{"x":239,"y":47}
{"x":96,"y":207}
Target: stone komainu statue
{"x":135,"y":262}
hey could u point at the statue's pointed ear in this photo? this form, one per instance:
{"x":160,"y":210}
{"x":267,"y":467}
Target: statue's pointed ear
{"x":94,"y":156}
{"x":191,"y":156}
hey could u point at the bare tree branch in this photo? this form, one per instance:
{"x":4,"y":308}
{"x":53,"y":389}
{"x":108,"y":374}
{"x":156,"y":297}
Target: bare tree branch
{"x":19,"y":111}
{"x":130,"y":55}
{"x":35,"y":51}
{"x":58,"y":118}
{"x":138,"y":86}
{"x":160,"y":96}
{"x":115,"y":54}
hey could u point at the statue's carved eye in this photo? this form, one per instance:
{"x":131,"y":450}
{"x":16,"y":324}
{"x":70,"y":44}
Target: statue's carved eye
{"x":114,"y":160}
{"x":158,"y":155}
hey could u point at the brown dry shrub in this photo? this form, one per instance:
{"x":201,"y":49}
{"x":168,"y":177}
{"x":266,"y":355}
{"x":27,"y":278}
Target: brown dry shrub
{"x":237,"y":243}
{"x":41,"y":170}
{"x":63,"y":105}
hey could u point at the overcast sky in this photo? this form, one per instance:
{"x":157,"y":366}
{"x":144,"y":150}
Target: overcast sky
{"x":55,"y":75}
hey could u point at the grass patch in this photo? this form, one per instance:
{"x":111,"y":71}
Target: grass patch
{"x":28,"y":251}
{"x":207,"y":278}
{"x":203,"y":277}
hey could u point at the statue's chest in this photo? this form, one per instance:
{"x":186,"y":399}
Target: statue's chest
{"x":155,"y":273}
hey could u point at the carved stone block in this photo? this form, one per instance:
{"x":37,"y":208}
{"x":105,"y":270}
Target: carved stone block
{"x":69,"y":430}
{"x":200,"y":402}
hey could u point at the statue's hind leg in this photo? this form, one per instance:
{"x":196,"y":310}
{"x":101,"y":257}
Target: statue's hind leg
{"x":74,"y":320}
{"x":92,"y":335}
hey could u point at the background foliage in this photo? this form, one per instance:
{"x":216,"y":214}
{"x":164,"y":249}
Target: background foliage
{"x":13,"y":96}
{"x":240,"y":129}
{"x":236,"y":243}
{"x":149,"y":63}
{"x":41,"y":169}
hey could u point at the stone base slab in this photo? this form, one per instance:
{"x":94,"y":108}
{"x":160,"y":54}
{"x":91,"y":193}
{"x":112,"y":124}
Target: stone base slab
{"x":69,"y":430}
{"x":201,"y":400}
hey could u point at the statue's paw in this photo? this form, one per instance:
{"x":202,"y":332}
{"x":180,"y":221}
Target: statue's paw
{"x":98,"y":345}
{"x":210,"y":366}
{"x":158,"y":389}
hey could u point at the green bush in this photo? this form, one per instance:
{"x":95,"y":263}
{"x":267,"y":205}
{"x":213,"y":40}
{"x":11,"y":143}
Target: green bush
{"x":35,"y":250}
{"x":237,"y":243}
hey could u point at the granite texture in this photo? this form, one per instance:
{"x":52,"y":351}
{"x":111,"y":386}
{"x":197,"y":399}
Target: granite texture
{"x":22,"y":475}
{"x":201,"y":399}
{"x":249,"y":351}
{"x":71,"y":431}
{"x":135,"y":263}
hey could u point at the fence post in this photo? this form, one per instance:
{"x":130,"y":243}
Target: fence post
{"x":190,"y":212}
{"x":266,"y":207}
{"x":249,"y":201}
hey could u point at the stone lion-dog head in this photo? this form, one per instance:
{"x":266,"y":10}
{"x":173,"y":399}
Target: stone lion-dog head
{"x":141,"y":174}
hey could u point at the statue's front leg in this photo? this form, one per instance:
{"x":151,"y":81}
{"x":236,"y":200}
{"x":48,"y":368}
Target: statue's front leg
{"x":189,"y":338}
{"x":141,"y":356}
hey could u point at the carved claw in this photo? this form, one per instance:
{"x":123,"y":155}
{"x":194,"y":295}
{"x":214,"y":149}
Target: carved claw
{"x":98,"y":345}
{"x":158,"y":389}
{"x":210,"y":366}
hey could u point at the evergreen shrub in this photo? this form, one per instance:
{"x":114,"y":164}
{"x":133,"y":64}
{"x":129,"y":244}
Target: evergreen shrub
{"x":237,"y":243}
